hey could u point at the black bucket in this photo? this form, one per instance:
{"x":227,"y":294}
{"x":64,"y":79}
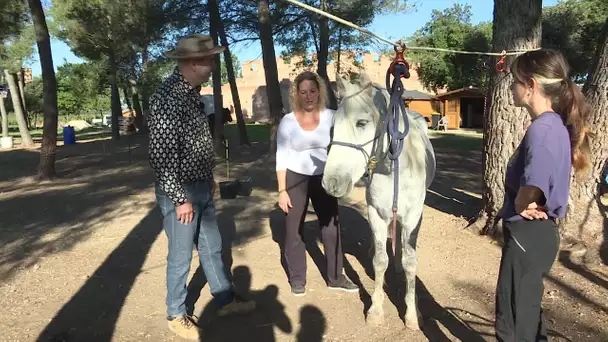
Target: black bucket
{"x":229,"y":189}
{"x":245,"y":186}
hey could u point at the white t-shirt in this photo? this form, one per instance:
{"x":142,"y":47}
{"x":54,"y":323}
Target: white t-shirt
{"x":302,"y":151}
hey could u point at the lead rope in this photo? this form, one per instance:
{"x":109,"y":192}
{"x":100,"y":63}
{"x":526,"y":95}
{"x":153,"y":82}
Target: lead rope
{"x":396,"y":138}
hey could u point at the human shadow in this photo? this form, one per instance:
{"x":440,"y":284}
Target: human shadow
{"x":312,"y":324}
{"x":91,"y":314}
{"x":257,"y":325}
{"x":232,"y":235}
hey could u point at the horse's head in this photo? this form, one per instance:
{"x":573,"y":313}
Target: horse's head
{"x":356,"y":126}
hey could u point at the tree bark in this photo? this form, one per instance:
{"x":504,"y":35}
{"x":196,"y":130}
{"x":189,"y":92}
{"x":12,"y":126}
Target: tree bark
{"x":517,"y":26}
{"x":114,"y":99}
{"x":21,"y":83}
{"x":218,"y":104}
{"x":139,"y":116}
{"x":240,"y":120}
{"x":586,"y":221}
{"x":46,"y":166}
{"x":125,"y":93}
{"x":271,"y":73}
{"x":11,"y":79}
{"x":323,"y":55}
{"x":145,"y":105}
{"x":4,"y":118}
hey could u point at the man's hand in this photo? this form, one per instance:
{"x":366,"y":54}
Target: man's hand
{"x":185,"y":213}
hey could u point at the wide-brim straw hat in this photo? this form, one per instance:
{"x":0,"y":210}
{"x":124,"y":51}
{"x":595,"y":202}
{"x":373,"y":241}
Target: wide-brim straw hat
{"x":195,"y":46}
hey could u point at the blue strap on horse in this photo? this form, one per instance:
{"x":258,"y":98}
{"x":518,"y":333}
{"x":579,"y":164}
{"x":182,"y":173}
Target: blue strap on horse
{"x":399,"y":68}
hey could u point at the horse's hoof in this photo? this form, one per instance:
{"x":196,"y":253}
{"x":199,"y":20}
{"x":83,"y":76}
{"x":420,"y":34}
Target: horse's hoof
{"x":412,"y":324}
{"x":375,"y":319}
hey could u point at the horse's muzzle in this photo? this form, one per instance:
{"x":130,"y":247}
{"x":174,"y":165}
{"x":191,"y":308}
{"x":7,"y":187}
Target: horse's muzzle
{"x":337,"y":186}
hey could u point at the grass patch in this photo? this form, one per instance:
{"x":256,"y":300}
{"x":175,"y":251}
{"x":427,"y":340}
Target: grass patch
{"x":255,"y":132}
{"x":457,"y":141}
{"x":83,"y":134}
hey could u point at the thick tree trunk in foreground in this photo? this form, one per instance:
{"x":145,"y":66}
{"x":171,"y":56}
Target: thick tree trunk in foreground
{"x":586,"y":219}
{"x":273,"y":88}
{"x":517,"y":26}
{"x":240,"y":120}
{"x":11,"y":79}
{"x":46,"y":166}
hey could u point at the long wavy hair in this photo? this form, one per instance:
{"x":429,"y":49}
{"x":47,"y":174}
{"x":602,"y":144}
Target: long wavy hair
{"x":551,"y":70}
{"x":294,"y":99}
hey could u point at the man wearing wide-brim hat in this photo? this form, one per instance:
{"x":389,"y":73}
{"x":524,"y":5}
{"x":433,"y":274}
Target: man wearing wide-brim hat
{"x":182,"y":156}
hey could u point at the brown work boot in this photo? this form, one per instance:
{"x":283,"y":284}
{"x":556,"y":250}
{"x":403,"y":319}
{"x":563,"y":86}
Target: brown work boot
{"x":184,"y":327}
{"x":237,"y":306}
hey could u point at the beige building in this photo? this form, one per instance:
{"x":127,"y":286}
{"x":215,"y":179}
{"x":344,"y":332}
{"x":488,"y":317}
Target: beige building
{"x":252,"y":84}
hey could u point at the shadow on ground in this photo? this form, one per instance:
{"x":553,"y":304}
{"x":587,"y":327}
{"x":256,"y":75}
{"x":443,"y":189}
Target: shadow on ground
{"x":357,"y":240}
{"x":561,"y":324}
{"x":458,"y":172}
{"x":91,"y":314}
{"x":96,"y":184}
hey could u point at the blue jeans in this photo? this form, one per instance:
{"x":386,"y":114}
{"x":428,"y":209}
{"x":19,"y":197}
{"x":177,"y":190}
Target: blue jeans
{"x":203,"y":233}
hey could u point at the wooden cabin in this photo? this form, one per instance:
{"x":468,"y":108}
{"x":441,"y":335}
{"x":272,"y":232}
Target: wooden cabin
{"x":464,"y":107}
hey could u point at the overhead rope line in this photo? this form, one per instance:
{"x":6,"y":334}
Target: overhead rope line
{"x":368,"y":32}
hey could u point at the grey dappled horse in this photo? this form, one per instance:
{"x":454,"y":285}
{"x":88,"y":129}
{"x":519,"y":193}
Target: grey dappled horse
{"x":359,"y":135}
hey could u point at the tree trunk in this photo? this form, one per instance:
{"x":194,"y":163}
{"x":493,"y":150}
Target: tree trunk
{"x":586,"y":219}
{"x":145,"y":105}
{"x":4,"y":118}
{"x":125,"y":92}
{"x":139,"y":116}
{"x":240,"y":120}
{"x":21,"y":83}
{"x":517,"y":26}
{"x":11,"y":79}
{"x":273,"y":88}
{"x":114,"y":100}
{"x":323,"y":55}
{"x":46,"y":165}
{"x":217,"y":82}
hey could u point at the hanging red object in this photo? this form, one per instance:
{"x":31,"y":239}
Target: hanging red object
{"x":501,"y":65}
{"x":399,"y":59}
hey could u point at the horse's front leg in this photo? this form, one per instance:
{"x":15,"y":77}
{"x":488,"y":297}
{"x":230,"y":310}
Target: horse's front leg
{"x":411,"y":225}
{"x":375,"y":315}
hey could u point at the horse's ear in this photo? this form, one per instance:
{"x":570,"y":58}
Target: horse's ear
{"x":366,"y":83}
{"x":342,"y":85}
{"x":364,"y":79}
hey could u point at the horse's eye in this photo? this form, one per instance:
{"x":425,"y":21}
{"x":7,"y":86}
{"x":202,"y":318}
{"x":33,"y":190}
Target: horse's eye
{"x":361,"y":123}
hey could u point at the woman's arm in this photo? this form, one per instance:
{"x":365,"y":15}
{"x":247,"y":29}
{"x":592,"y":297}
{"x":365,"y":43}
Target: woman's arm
{"x":527,"y":195}
{"x":282,"y":154}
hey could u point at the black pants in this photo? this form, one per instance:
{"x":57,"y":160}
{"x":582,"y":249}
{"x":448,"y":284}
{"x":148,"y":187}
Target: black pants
{"x":527,"y":256}
{"x":300,"y":189}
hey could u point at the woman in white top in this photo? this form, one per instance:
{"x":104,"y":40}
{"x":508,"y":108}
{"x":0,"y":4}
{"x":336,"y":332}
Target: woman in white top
{"x":302,"y":140}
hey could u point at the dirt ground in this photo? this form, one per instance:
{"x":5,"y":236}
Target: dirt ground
{"x":83,"y":259}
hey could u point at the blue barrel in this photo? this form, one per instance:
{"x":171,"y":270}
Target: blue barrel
{"x":69,"y":136}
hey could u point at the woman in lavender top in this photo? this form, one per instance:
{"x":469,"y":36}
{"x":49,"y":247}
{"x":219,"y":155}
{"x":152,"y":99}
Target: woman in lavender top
{"x":536,"y":188}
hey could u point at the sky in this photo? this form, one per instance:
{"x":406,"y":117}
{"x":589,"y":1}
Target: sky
{"x":392,"y":27}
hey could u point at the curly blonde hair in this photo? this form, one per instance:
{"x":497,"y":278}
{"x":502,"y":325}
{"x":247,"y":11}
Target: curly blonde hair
{"x":294,"y":100}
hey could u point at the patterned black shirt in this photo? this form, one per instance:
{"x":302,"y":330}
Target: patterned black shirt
{"x":181,"y":147}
